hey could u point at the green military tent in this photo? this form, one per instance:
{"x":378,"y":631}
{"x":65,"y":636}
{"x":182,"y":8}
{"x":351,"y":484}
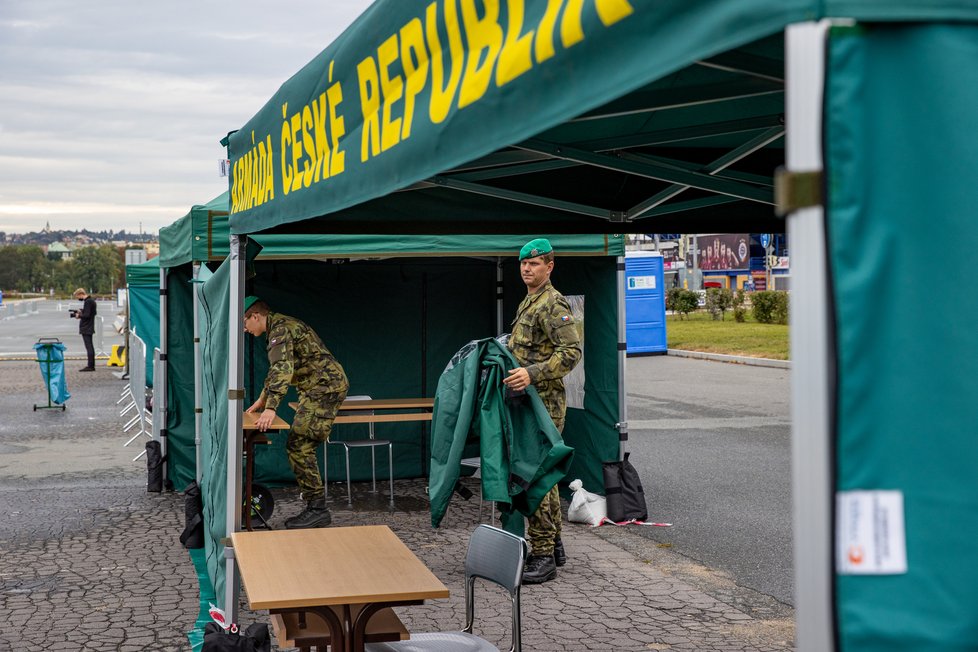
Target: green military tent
{"x":143,"y":291}
{"x":616,"y":116}
{"x":198,"y":238}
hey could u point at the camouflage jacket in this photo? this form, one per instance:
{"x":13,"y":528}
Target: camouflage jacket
{"x":296,"y":356}
{"x":545,"y":339}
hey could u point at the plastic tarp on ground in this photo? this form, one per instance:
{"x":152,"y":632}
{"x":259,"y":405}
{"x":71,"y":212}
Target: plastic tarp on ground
{"x":900,"y":163}
{"x":198,"y":237}
{"x":143,"y":281}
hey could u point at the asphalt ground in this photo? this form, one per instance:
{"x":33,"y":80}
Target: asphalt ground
{"x":712,"y":442}
{"x":89,"y":560}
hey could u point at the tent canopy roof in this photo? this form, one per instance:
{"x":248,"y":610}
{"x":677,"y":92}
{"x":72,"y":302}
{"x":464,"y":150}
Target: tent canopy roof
{"x":619,"y":117}
{"x":144,"y":274}
{"x":192,"y":237}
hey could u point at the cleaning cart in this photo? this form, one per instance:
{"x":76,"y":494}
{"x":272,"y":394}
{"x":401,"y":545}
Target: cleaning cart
{"x":51,"y":358}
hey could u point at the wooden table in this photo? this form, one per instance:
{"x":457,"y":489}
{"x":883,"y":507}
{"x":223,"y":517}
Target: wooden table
{"x":254,"y":436}
{"x":324,"y":570}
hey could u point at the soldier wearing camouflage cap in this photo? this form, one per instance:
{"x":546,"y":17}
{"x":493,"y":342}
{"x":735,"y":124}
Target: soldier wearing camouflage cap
{"x":547,"y":343}
{"x":296,"y":356}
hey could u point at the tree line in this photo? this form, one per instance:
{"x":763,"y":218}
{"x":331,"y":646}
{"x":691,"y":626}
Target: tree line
{"x":26,"y":268}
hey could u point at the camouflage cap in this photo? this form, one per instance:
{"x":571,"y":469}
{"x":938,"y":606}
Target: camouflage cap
{"x":249,"y":302}
{"x":535,"y":248}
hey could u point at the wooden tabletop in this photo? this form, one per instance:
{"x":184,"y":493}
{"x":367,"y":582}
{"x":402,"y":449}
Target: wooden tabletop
{"x":250,"y":417}
{"x":383,"y":404}
{"x":283,"y":569}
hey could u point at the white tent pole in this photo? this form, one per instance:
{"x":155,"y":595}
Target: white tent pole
{"x":235,"y":408}
{"x":622,"y":397}
{"x":160,"y":401}
{"x":198,"y":375}
{"x":811,"y":450}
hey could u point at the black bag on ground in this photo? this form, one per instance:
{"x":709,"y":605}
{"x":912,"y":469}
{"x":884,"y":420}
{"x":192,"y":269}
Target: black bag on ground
{"x":623,"y":489}
{"x":193,"y":513}
{"x":255,"y":638}
{"x":154,"y":466}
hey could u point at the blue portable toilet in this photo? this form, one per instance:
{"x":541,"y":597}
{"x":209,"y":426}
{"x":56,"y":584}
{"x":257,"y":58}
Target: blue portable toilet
{"x":645,"y":303}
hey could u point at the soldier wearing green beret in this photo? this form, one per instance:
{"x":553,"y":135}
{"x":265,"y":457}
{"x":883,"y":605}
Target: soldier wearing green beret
{"x":296,"y":356}
{"x":547,"y":343}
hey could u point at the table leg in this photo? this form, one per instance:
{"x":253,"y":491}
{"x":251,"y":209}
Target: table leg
{"x":358,"y":631}
{"x":249,"y":446}
{"x":337,"y":637}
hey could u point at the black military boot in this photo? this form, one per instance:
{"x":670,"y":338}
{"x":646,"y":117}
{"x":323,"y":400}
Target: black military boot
{"x":539,"y":569}
{"x":316,"y":514}
{"x":560,"y":557}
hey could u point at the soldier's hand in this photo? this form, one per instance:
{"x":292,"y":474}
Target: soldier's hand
{"x":518,"y":379}
{"x":264,"y":421}
{"x":257,"y":406}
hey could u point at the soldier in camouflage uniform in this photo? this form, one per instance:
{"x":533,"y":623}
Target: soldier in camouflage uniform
{"x":296,"y":356}
{"x":547,"y":344}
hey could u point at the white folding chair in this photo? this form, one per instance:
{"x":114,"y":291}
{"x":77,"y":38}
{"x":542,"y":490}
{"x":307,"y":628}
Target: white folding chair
{"x":372,"y":443}
{"x":494,"y":555}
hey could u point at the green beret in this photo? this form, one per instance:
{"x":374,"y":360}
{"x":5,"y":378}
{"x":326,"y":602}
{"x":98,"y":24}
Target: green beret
{"x":250,"y":301}
{"x":535,"y":248}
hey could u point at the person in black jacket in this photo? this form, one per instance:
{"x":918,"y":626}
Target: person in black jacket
{"x":86,"y":325}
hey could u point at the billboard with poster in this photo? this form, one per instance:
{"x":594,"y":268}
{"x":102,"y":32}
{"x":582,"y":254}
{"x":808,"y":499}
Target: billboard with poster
{"x":723,"y":251}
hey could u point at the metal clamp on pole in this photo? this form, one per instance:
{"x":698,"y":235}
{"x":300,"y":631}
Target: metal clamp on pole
{"x":796,"y":190}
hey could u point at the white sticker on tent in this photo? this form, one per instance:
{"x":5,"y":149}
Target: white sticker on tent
{"x":641,"y":282}
{"x":870,"y":535}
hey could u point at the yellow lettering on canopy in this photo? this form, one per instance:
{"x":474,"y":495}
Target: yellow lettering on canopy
{"x":296,"y":149}
{"x":337,"y":126}
{"x":322,"y":142}
{"x":370,"y":106}
{"x":443,"y":92}
{"x":514,"y":59}
{"x":571,"y":31}
{"x":286,"y":142}
{"x":269,"y":176}
{"x":544,"y":44}
{"x":611,"y":11}
{"x":391,"y":89}
{"x":485,"y":37}
{"x":308,"y":143}
{"x":414,"y":59}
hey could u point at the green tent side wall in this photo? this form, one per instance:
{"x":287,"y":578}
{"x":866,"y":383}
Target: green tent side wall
{"x":899,"y":164}
{"x":198,"y":237}
{"x":394,"y":324}
{"x":143,"y":281}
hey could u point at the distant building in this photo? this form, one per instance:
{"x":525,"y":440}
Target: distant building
{"x":58,"y":251}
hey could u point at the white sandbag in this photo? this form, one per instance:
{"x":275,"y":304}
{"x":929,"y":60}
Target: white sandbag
{"x":586,"y":507}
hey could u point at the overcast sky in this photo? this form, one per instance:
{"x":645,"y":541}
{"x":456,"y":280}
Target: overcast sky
{"x":111,"y":111}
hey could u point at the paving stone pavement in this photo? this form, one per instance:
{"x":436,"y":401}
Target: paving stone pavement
{"x":91,"y":561}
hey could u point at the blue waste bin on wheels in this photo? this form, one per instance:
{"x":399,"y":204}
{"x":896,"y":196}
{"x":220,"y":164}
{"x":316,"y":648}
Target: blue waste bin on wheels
{"x":51,"y":358}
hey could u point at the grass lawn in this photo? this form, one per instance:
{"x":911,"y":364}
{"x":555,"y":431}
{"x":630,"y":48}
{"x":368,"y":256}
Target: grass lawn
{"x":698,"y":332}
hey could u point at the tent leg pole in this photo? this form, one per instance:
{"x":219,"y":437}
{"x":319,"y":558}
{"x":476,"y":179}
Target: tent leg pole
{"x":235,"y":420}
{"x":499,"y":296}
{"x":198,"y":377}
{"x":622,"y":350}
{"x":810,"y":409}
{"x":161,"y":386}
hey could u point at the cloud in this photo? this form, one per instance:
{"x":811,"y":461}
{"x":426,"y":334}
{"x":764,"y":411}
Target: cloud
{"x":113,"y":111}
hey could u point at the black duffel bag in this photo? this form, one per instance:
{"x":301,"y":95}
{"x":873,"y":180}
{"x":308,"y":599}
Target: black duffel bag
{"x":255,"y":638}
{"x":623,"y":490}
{"x":154,"y":466}
{"x":193,"y":513}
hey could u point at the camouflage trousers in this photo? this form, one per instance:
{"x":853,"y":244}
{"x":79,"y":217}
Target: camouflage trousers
{"x":543,"y":527}
{"x":311,"y":427}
